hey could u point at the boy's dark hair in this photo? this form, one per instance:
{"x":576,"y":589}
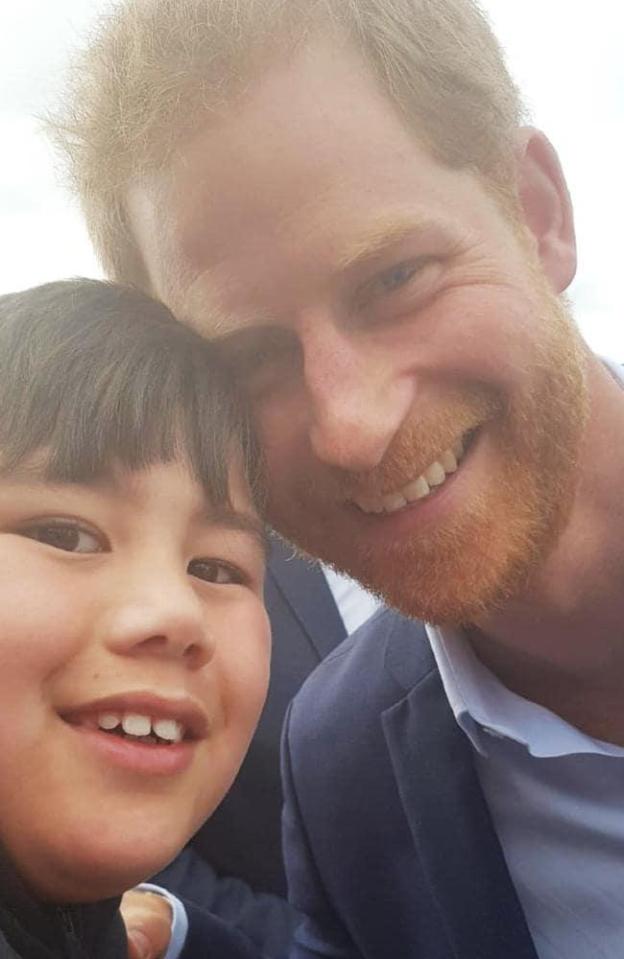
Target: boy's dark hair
{"x":94,"y":376}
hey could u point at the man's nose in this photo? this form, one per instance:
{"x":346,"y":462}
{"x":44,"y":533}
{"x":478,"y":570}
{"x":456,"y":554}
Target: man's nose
{"x":358,"y":397}
{"x":160,"y":616}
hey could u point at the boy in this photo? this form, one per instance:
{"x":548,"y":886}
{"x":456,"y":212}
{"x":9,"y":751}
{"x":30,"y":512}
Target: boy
{"x":134,"y":644}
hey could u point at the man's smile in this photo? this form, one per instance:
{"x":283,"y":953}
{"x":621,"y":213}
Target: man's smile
{"x":432,"y":478}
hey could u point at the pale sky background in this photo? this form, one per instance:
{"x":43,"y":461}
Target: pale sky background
{"x":565,"y":54}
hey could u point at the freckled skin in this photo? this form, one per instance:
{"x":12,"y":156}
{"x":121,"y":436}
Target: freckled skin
{"x":363,"y":370}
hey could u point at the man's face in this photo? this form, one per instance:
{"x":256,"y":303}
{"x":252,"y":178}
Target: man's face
{"x":134,"y":652}
{"x":417,"y":386}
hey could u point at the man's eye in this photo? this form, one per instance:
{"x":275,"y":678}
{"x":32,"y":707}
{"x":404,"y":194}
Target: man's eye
{"x":254,"y":363}
{"x":65,"y":535}
{"x":264,"y":363}
{"x":214,"y":571}
{"x":397,"y":277}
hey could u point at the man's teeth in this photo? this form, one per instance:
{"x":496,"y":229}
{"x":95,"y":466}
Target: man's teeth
{"x":416,"y":489}
{"x":140,"y":726}
{"x":449,"y":461}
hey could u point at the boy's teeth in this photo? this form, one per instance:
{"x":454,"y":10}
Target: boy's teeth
{"x":138,"y":725}
{"x":168,"y":729}
{"x":434,"y":475}
{"x":108,"y":720}
{"x":135,"y":725}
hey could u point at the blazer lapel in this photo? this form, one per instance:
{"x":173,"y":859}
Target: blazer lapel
{"x":451,"y":826}
{"x":304,"y":587}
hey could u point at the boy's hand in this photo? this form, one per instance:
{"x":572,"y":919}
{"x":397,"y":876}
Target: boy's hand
{"x":148,"y":924}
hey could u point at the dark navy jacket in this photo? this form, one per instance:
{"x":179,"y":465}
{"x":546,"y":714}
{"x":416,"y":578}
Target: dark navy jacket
{"x":234,"y":865}
{"x":30,"y":929}
{"x":390,"y":849}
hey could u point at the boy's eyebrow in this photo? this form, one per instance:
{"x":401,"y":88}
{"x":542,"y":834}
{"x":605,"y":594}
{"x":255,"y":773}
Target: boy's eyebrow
{"x":240,"y":522}
{"x":223,"y":516}
{"x":32,"y":474}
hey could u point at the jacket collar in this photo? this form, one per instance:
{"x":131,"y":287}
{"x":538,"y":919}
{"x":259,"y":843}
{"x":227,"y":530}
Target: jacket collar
{"x":304,"y":588}
{"x":446,"y":810}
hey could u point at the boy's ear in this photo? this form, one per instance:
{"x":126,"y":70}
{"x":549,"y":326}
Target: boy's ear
{"x":546,"y":205}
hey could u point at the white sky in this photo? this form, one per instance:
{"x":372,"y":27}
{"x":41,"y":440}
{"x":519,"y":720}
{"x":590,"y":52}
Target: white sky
{"x":565,"y":54}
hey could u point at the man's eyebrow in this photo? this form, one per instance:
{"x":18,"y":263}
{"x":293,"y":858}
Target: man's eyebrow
{"x":231,"y":519}
{"x":200,"y":297}
{"x":384,"y":233}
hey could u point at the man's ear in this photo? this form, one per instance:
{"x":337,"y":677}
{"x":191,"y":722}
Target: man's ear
{"x":547,"y":208}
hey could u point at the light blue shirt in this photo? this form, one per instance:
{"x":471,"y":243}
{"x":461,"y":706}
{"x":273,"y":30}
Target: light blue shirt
{"x":179,"y":920}
{"x":557,"y":801}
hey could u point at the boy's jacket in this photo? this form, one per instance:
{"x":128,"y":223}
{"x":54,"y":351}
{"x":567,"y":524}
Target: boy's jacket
{"x":33,"y":930}
{"x":30,"y":929}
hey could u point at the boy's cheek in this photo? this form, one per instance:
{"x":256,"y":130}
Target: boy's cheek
{"x":49,"y":658}
{"x":242,"y":685}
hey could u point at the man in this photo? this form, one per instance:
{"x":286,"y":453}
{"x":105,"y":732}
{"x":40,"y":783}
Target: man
{"x":344,"y":194}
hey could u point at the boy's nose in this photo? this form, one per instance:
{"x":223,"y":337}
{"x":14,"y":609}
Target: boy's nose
{"x":357,"y":398}
{"x":163,"y":619}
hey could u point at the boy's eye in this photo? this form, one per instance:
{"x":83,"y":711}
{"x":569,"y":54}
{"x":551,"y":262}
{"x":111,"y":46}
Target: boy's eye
{"x":214,"y":571}
{"x":65,"y":535}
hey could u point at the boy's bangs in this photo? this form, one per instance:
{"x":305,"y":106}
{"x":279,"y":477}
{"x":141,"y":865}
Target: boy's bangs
{"x":94,"y":378}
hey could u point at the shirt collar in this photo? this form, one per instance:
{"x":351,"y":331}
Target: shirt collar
{"x":483,"y":707}
{"x":615,"y":369}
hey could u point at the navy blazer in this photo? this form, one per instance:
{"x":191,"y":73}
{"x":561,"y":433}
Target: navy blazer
{"x":390,"y":849}
{"x":234,"y":864}
{"x":211,"y":938}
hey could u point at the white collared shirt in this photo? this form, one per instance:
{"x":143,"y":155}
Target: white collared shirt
{"x":556,"y":797}
{"x":355,"y":604}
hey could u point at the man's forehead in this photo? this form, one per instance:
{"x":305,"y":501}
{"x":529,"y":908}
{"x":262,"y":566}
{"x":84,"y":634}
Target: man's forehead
{"x":232,"y":235}
{"x":209,"y":168}
{"x":154,"y":220}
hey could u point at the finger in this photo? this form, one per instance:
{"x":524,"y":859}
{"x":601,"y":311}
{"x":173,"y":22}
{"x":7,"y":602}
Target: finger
{"x":139,"y":946}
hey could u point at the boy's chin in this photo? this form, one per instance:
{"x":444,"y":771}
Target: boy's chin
{"x":102,"y":882}
{"x":95,"y":871}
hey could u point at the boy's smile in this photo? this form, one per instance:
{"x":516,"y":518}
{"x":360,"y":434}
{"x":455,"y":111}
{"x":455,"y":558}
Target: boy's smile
{"x":152,"y":734}
{"x":133,"y":666}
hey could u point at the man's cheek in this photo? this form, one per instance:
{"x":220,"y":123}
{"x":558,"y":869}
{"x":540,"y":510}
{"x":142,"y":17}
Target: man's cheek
{"x":285,"y":452}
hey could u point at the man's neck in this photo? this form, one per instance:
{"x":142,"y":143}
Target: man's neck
{"x":561,"y":644}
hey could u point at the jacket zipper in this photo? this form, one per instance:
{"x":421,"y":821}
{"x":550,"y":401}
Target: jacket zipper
{"x":72,"y":938}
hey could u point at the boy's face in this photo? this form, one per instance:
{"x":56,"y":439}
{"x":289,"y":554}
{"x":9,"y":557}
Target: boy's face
{"x":128,"y":605}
